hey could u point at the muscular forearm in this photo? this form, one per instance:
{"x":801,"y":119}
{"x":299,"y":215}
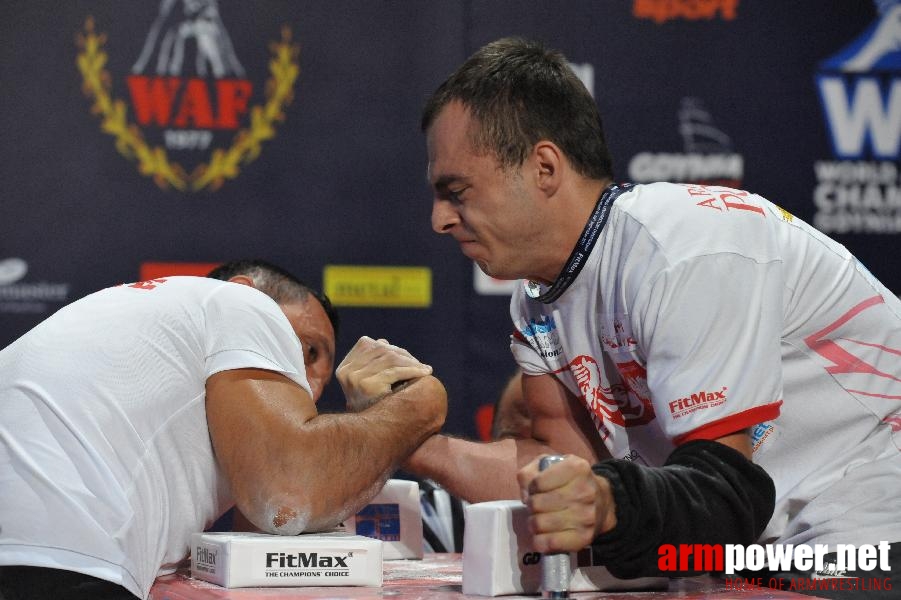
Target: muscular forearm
{"x":474,"y":471}
{"x":340,"y":461}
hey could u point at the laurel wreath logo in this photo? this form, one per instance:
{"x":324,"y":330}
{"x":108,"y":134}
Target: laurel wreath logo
{"x":153,"y":161}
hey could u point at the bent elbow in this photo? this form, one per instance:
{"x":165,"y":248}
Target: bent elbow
{"x":296,"y":514}
{"x":281,"y":519}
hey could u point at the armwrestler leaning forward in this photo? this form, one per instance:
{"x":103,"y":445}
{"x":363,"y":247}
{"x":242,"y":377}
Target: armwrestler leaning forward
{"x":136,"y":416}
{"x":718,"y":371}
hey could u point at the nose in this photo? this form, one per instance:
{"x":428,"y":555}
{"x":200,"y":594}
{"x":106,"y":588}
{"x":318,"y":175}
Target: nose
{"x":444,"y":216}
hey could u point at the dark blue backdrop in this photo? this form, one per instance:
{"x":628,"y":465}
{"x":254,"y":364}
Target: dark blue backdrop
{"x":725,"y":90}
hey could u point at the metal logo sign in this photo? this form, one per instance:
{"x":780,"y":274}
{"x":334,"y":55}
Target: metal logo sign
{"x":189,"y":117}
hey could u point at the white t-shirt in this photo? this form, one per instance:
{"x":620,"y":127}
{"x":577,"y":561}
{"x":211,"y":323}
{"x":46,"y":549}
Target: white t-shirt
{"x":106,"y":465}
{"x":701,"y":311}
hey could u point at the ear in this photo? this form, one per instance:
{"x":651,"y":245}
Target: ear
{"x":243,"y":280}
{"x":549,"y":160}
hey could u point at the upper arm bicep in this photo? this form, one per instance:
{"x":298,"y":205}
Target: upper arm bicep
{"x":560,"y":420}
{"x":250,"y":412}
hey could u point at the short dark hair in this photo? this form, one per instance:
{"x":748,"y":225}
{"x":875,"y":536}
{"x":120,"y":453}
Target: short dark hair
{"x":520,"y":92}
{"x":275,"y":282}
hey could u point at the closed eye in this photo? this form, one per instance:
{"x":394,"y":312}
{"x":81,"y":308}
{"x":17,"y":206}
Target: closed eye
{"x":455,"y":195}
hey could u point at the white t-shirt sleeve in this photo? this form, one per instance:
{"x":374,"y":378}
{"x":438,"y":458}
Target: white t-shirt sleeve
{"x":529,"y":361}
{"x":710,"y":326}
{"x":245,"y":328}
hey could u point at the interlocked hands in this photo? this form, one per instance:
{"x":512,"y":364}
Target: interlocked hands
{"x":373,"y":369}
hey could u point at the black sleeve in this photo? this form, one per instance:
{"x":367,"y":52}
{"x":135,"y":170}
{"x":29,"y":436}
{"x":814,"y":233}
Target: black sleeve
{"x":706,"y":493}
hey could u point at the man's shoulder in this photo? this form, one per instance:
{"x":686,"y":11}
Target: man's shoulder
{"x":185,"y":293}
{"x":693,"y":217}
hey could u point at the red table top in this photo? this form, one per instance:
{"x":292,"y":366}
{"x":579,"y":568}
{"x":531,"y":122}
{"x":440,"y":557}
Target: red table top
{"x":439,"y":577}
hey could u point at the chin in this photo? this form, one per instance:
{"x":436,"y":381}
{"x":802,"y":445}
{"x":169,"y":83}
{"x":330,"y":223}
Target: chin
{"x":494,"y":273}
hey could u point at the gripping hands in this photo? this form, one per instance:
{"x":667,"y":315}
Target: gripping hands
{"x":373,"y":369}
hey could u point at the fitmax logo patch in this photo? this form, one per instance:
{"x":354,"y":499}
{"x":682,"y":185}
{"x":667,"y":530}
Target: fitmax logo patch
{"x":205,"y":560}
{"x":205,"y":556}
{"x":681,"y":407}
{"x":305,"y":560}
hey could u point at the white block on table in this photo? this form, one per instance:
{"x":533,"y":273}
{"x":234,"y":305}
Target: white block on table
{"x":394,"y":516}
{"x":498,"y":557}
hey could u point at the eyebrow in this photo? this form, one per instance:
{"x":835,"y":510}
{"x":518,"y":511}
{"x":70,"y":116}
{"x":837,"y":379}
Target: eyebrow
{"x":445,"y":181}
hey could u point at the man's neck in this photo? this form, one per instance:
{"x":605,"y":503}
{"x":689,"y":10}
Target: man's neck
{"x":567,"y":224}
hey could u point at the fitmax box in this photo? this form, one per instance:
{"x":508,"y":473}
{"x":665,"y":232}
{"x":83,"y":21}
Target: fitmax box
{"x":263,"y":560}
{"x":498,"y":557}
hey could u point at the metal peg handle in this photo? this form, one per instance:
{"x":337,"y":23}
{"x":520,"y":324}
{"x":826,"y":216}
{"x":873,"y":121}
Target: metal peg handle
{"x":555,"y":568}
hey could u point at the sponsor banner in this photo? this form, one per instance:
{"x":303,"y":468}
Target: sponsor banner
{"x":19,"y":295}
{"x":381,"y":521}
{"x":661,"y":11}
{"x":706,"y":157}
{"x":378,"y":286}
{"x":859,"y":189}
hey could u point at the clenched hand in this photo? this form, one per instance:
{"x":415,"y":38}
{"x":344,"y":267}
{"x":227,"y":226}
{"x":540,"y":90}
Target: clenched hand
{"x":373,"y":369}
{"x":569,"y":504}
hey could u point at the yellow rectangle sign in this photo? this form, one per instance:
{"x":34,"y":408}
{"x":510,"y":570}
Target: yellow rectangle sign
{"x":355,"y":285}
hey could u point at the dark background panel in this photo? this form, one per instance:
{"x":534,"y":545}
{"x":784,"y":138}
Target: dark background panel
{"x":343,"y":181}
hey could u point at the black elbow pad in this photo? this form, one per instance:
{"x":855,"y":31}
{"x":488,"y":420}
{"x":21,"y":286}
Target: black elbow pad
{"x":706,"y":493}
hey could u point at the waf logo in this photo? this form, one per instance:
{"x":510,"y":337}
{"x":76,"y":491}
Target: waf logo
{"x":187,"y":113}
{"x":625,"y":404}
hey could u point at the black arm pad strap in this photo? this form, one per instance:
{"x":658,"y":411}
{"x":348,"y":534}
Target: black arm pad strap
{"x":706,"y":493}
